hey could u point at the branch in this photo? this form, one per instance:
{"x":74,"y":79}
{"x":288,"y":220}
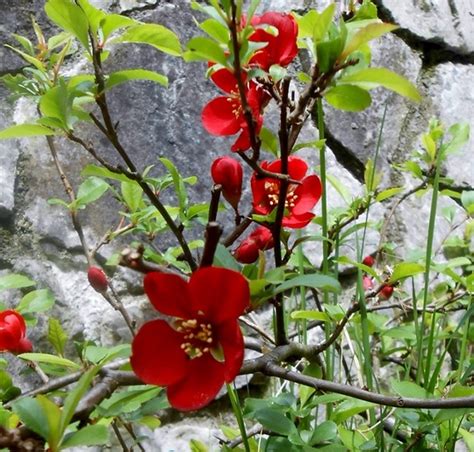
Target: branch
{"x":254,"y":140}
{"x":269,"y":368}
{"x":212,"y":236}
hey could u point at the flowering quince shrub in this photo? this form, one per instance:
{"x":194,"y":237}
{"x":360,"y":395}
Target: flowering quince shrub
{"x":323,"y":350}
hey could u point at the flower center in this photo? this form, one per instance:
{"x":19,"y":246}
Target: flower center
{"x":197,"y":337}
{"x":234,"y":99}
{"x":272,"y":189}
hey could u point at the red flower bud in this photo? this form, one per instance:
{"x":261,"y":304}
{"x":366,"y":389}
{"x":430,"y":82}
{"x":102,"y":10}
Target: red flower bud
{"x":386,"y":292}
{"x":260,"y":239}
{"x":97,"y":279}
{"x":13,"y":333}
{"x":367,"y":282}
{"x":227,"y":172}
{"x":369,"y":261}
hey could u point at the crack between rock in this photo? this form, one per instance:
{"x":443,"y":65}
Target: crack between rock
{"x":433,"y":52}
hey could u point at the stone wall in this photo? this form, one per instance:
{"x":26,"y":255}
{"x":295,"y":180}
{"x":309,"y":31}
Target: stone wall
{"x":434,"y":48}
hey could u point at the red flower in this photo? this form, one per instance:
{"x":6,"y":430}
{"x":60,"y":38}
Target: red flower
{"x":224,"y":115}
{"x":282,"y":48}
{"x":260,"y":239}
{"x":13,"y":332}
{"x":300,"y":199}
{"x":369,"y":261}
{"x":227,"y":172}
{"x":202,"y":347}
{"x":97,"y":279}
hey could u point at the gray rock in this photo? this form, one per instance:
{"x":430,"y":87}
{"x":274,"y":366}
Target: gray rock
{"x":444,"y":22}
{"x":353,"y":136}
{"x":453,"y":102}
{"x":8,"y":160}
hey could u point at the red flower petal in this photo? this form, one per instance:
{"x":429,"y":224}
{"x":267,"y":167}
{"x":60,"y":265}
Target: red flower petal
{"x":308,"y":193}
{"x":226,"y":80}
{"x":156,"y":354}
{"x":297,"y":168}
{"x":219,"y":293}
{"x":168,"y":294}
{"x":297,"y":221}
{"x":218,"y":116}
{"x":202,"y":383}
{"x":281,"y":49}
{"x":242,"y":143}
{"x":232,"y":342}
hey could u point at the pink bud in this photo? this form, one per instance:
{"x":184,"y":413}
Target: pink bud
{"x":369,"y":261}
{"x":367,"y":282}
{"x":228,"y":172}
{"x":97,"y":279}
{"x":260,"y":239}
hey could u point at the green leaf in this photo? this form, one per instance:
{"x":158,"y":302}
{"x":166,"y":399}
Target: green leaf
{"x":404,"y":270}
{"x":468,"y":438}
{"x":372,"y":177}
{"x":32,"y":415}
{"x":349,"y":408}
{"x":216,"y":30}
{"x":15,"y":281}
{"x":467,"y":201}
{"x":91,"y":190}
{"x":155,"y":35}
{"x":374,"y":77}
{"x":328,"y":52}
{"x":366,"y":34}
{"x":275,"y":421}
{"x":70,"y":17}
{"x":269,"y":141}
{"x":91,"y":435}
{"x":101,"y":355}
{"x":460,"y":136}
{"x":224,"y":258}
{"x":316,"y":281}
{"x":409,"y":389}
{"x":206,"y":49}
{"x":348,"y":98}
{"x":73,"y":398}
{"x":128,"y":401}
{"x":36,"y":301}
{"x":177,"y":182}
{"x":119,"y":77}
{"x":132,"y":195}
{"x":93,"y":170}
{"x":28,"y":58}
{"x":53,"y":416}
{"x":113,"y":22}
{"x":56,"y":335}
{"x":310,"y":315}
{"x":314,"y":24}
{"x":26,"y":130}
{"x":197,"y":446}
{"x":326,"y":431}
{"x":49,"y":359}
{"x":385,"y":194}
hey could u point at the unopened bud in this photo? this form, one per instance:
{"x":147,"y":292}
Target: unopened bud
{"x":228,"y":173}
{"x":369,"y":261}
{"x":259,"y":240}
{"x":97,"y":279}
{"x":386,"y":292}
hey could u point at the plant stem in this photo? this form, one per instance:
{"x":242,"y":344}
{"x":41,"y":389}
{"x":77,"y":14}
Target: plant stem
{"x":429,"y":251}
{"x":238,"y":415}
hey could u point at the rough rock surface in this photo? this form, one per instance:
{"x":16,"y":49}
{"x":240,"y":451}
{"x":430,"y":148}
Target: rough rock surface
{"x":38,"y":239}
